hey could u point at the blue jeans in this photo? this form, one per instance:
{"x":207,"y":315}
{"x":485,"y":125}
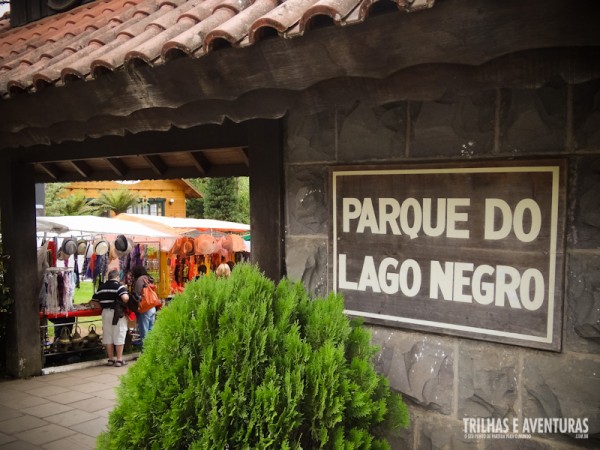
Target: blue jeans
{"x":145,"y":321}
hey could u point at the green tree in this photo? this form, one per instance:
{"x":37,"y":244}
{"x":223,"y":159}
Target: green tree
{"x":222,"y":201}
{"x":243,"y":200}
{"x":194,"y":207}
{"x":78,"y":205}
{"x":54,"y":203}
{"x":220,"y":198}
{"x":243,"y":363}
{"x":117,"y":201}
{"x":235,"y":206}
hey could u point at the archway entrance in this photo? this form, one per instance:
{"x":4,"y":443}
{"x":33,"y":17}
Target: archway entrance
{"x":251,"y":148}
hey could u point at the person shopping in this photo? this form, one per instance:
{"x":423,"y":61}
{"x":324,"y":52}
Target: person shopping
{"x":145,"y":320}
{"x":113,"y":297}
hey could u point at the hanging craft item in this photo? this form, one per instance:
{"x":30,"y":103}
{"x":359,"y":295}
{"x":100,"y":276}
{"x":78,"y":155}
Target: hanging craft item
{"x":81,"y":247}
{"x":234,"y":243}
{"x":92,"y":337}
{"x":176,"y":249}
{"x":89,"y":252}
{"x":69,"y":246}
{"x":77,"y":339}
{"x":57,"y":290}
{"x":219,"y":251}
{"x":122,"y":246}
{"x":204,"y":244}
{"x":188,"y":248}
{"x":64,"y":341}
{"x":101,"y":247}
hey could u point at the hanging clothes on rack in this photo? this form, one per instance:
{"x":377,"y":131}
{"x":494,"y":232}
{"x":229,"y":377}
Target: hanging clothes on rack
{"x":57,"y":291}
{"x":76,"y":272}
{"x":52,"y":253}
{"x":99,"y":270}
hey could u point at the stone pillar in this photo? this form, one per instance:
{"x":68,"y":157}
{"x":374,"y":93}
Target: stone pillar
{"x":23,"y":351}
{"x":266,"y":196}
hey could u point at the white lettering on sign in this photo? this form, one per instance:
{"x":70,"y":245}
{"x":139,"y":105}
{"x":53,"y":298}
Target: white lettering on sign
{"x":410,"y":217}
{"x":501,"y":286}
{"x":495,"y":207}
{"x":507,"y":284}
{"x":465,"y":248}
{"x":390,"y":277}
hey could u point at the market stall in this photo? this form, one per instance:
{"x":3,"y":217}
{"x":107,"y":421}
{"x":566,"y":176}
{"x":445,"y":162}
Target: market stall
{"x":202,"y":245}
{"x":73,"y":248}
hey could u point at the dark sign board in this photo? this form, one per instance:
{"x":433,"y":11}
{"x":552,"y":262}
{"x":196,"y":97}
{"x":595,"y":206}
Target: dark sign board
{"x":472,"y":249}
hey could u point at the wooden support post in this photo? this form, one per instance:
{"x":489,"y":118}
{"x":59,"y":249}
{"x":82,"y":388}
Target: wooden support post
{"x":23,"y":348}
{"x":266,"y":196}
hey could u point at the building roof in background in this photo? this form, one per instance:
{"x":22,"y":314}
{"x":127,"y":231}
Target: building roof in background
{"x":109,"y":35}
{"x":190,"y":190}
{"x":184,"y":185}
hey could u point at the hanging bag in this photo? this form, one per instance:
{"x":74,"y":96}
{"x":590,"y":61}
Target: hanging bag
{"x":149,"y":298}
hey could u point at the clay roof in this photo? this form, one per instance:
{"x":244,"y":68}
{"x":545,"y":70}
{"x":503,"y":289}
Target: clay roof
{"x":109,"y":35}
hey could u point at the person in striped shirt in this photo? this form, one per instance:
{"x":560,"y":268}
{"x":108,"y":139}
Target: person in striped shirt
{"x":112,"y":296}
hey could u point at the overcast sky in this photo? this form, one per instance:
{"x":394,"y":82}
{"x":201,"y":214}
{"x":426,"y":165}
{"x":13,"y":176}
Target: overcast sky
{"x":4,"y":8}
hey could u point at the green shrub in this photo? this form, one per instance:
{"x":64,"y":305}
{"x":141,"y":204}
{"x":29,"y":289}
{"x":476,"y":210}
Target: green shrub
{"x":240,"y":362}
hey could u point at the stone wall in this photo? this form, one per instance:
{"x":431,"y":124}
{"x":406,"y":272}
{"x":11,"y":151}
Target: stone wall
{"x":445,"y":379}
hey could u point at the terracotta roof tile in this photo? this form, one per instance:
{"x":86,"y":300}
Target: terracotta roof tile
{"x":233,"y":31}
{"x":106,"y":35}
{"x":111,"y":56}
{"x":192,"y":39}
{"x":336,"y":9}
{"x":281,"y":19}
{"x":182,"y":36}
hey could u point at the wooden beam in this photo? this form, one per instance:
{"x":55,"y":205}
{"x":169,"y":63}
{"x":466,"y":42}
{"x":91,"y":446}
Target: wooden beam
{"x":82,"y":168}
{"x":197,"y":138}
{"x":226,"y":170}
{"x":51,"y":169}
{"x":244,"y":153}
{"x":200,"y":162}
{"x":117,"y":166}
{"x":156,"y":163}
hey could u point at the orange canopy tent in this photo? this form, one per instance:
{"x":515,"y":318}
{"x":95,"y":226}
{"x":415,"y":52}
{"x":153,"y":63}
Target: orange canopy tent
{"x":228,"y":241}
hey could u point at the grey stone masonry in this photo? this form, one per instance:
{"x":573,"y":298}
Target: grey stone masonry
{"x":487,"y":381}
{"x":419,"y":366}
{"x":562,"y":386}
{"x":447,"y":380}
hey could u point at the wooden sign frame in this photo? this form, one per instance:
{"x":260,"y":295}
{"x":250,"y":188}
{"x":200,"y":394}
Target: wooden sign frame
{"x":467,"y":249}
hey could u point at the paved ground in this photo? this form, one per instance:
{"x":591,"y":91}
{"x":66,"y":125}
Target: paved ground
{"x":62,"y":411}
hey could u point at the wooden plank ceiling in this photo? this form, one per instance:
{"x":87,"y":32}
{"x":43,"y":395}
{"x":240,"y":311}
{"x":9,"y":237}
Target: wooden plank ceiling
{"x":195,"y":164}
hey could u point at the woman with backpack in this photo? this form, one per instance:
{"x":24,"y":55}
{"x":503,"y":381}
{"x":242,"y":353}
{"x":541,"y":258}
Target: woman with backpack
{"x":145,"y":320}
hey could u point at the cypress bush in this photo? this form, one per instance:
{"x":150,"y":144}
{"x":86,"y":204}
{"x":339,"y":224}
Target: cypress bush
{"x":241,"y":363}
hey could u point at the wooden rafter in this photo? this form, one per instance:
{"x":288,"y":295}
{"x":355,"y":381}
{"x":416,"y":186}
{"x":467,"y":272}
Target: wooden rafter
{"x":200,"y":162}
{"x":156,"y":163}
{"x":82,"y":168}
{"x":51,"y":169}
{"x":117,"y":166}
